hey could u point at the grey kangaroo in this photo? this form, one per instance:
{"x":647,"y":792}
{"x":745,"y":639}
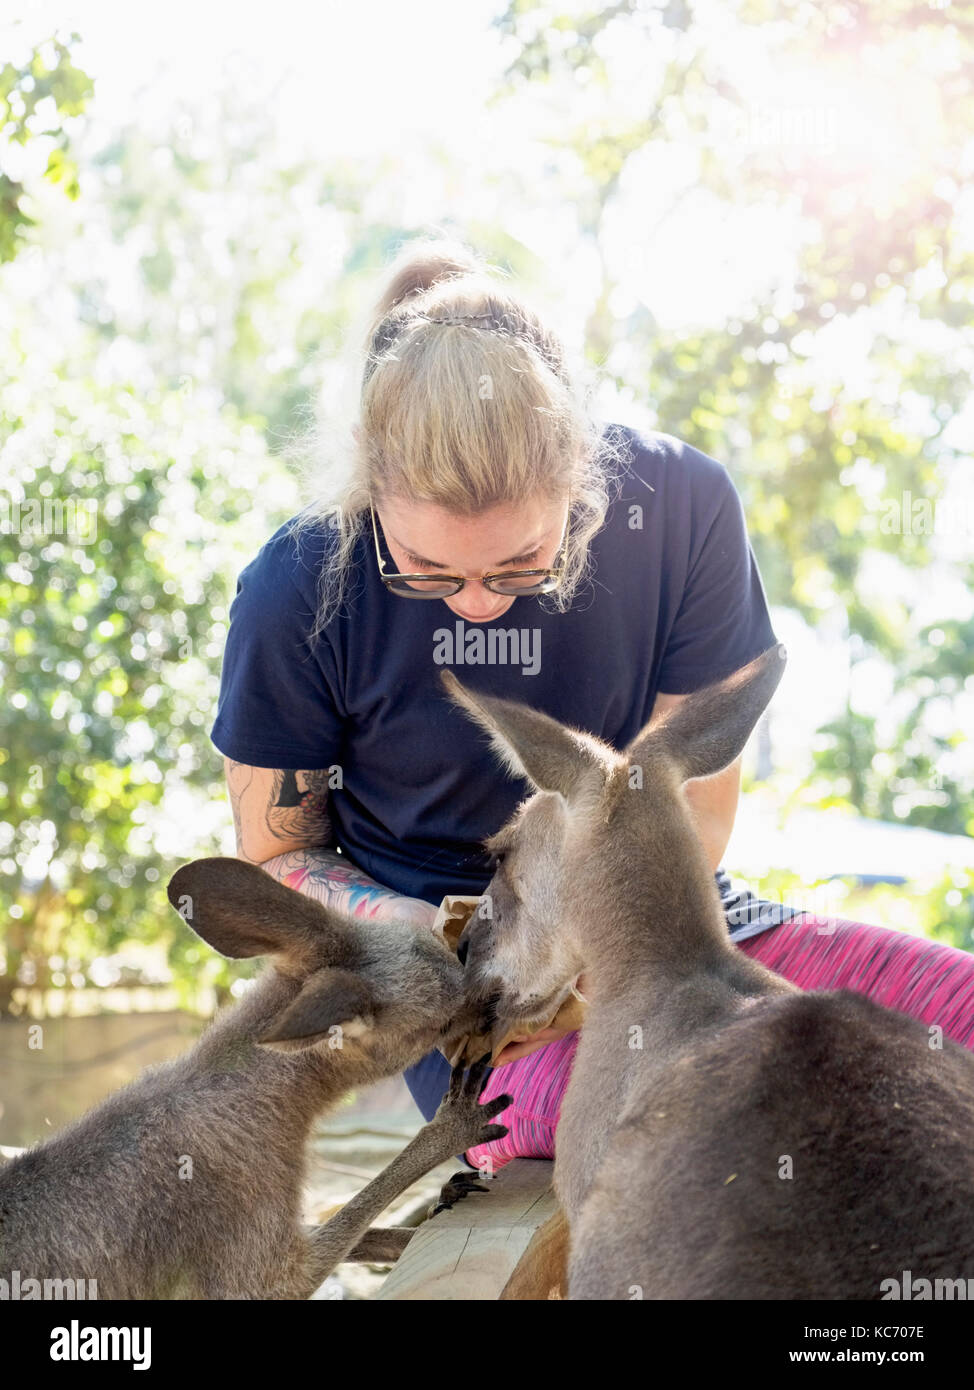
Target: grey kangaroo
{"x":723,"y":1134}
{"x":187,"y":1183}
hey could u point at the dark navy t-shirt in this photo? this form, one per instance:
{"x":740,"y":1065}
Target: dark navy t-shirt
{"x":674,"y":601}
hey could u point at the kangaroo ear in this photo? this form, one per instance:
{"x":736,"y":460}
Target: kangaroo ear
{"x":333,"y":1004}
{"x":530,"y":744}
{"x":241,"y":911}
{"x":708,"y":730}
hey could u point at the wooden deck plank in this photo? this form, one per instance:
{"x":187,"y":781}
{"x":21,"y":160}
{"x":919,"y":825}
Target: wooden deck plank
{"x":471,"y":1251}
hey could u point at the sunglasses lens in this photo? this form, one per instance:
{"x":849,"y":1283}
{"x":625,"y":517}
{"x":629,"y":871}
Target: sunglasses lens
{"x":530,"y":584}
{"x":421,"y":588}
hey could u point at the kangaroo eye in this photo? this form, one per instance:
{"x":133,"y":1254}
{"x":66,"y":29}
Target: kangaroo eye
{"x":495,"y":861}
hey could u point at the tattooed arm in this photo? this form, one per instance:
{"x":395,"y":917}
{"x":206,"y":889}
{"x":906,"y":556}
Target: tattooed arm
{"x":282,"y":823}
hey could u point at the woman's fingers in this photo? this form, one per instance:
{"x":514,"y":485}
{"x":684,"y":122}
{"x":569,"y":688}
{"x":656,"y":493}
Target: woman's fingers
{"x":523,"y":1046}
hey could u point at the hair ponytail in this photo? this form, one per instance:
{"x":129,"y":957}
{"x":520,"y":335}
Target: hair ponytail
{"x":420,"y":265}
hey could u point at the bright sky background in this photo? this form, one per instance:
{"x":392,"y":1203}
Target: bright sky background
{"x":346,"y":66}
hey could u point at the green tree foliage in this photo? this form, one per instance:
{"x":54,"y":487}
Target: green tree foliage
{"x":114,"y":608}
{"x":37,"y":101}
{"x":128,"y":508}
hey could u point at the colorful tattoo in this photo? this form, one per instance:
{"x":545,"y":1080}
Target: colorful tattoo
{"x":324,"y":876}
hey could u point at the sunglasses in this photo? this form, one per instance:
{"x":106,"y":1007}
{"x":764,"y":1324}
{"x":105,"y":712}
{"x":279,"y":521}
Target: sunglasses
{"x":512,"y":583}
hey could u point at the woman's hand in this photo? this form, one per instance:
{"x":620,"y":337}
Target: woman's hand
{"x":416,"y":911}
{"x":524,"y":1044}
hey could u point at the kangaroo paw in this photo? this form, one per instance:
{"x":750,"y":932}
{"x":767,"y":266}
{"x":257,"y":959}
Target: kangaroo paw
{"x":458,"y":1187}
{"x":461,"y":1115}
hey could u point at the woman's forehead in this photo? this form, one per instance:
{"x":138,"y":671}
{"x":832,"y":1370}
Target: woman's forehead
{"x":493,"y":536}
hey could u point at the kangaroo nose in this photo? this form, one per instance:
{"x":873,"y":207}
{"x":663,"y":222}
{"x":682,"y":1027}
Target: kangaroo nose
{"x":463,"y":946}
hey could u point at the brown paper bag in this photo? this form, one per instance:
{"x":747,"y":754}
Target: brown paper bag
{"x":454,"y":913}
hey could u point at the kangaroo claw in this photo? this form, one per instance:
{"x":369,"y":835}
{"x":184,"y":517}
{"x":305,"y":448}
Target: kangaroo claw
{"x":458,"y":1187}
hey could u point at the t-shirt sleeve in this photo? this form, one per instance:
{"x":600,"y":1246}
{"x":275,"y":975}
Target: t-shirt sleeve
{"x":722,"y":621}
{"x":277,"y":705}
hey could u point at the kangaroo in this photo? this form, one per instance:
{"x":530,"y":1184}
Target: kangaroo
{"x":723,"y":1134}
{"x":187,"y":1182}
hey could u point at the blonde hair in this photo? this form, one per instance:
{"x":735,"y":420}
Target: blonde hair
{"x":464,"y":400}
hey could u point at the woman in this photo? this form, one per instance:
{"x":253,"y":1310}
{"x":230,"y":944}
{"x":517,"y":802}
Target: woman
{"x":596,"y":573}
